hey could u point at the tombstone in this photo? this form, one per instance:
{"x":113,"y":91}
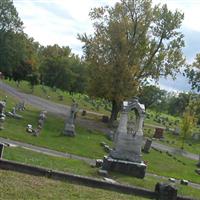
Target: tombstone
{"x":165,"y":191}
{"x":196,"y":136}
{"x":147,"y":146}
{"x":126,"y":155}
{"x":158,"y":133}
{"x":2,"y":115}
{"x":105,"y":119}
{"x":69,"y":125}
{"x":198,"y":164}
{"x":176,"y":131}
{"x":1,"y":150}
{"x":84,"y":112}
{"x":20,"y":106}
{"x":14,"y":114}
{"x":29,"y":128}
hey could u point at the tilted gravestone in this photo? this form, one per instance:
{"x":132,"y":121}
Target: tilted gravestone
{"x":126,"y":155}
{"x":2,"y":115}
{"x":69,"y":125}
{"x":147,"y":146}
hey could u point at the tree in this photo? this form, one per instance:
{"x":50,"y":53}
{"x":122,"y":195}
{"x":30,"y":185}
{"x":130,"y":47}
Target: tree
{"x":11,"y":30}
{"x":132,"y":43}
{"x":151,"y":95}
{"x":193,"y":73}
{"x":188,"y":122}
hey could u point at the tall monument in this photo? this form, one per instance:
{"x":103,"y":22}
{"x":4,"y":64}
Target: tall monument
{"x":126,"y":154}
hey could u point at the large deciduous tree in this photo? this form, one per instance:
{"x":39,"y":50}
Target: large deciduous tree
{"x":132,"y":43}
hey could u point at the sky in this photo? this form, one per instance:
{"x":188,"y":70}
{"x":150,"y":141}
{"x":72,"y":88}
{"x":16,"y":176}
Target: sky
{"x":59,"y":21}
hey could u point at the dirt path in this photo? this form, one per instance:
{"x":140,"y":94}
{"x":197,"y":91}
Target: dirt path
{"x":63,"y":110}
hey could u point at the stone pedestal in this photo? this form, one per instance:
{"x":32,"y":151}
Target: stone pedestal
{"x":127,"y":167}
{"x":69,"y":130}
{"x":127,"y":147}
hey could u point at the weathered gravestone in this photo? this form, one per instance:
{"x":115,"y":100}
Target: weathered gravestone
{"x":176,"y":131}
{"x":158,"y":133}
{"x":126,"y":155}
{"x":147,"y":146}
{"x":1,"y":150}
{"x":165,"y":191}
{"x":2,"y":115}
{"x":69,"y":125}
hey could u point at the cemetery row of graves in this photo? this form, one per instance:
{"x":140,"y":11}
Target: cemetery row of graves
{"x":27,"y":124}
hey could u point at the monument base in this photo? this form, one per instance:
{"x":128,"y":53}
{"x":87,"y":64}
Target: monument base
{"x":131,"y":168}
{"x":69,"y":130}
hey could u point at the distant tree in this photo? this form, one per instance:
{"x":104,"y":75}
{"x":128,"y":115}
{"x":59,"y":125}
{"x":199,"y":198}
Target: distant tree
{"x":188,"y":122}
{"x":151,"y":96}
{"x":177,"y":104}
{"x":193,"y":73}
{"x":132,"y":41}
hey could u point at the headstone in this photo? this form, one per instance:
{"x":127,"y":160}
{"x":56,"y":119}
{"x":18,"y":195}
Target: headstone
{"x":69,"y":125}
{"x":126,"y":155}
{"x":2,"y":115}
{"x":99,"y":162}
{"x":165,"y":191}
{"x":84,"y":112}
{"x":1,"y":150}
{"x":196,"y":136}
{"x":198,"y":164}
{"x":184,"y":182}
{"x":158,"y":133}
{"x":105,"y":119}
{"x":176,"y":131}
{"x":147,"y":146}
{"x":29,"y":128}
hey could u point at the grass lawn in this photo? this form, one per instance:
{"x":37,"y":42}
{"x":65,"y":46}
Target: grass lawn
{"x":82,"y":168}
{"x":19,"y":186}
{"x":86,"y":143}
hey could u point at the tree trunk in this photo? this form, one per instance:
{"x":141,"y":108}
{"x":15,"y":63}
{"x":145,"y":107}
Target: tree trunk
{"x":115,"y":111}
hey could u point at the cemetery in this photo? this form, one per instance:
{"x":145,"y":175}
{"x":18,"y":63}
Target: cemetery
{"x":95,"y":121}
{"x":85,"y":142}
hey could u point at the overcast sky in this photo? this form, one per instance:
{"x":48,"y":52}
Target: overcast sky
{"x":59,"y":21}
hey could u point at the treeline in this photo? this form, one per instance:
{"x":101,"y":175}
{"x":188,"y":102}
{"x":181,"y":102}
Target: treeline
{"x":21,"y":58}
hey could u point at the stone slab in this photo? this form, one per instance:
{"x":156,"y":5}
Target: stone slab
{"x":127,"y":167}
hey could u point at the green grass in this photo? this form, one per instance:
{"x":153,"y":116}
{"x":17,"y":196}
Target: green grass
{"x":86,"y":143}
{"x":82,"y":168}
{"x":21,"y":186}
{"x":164,"y":165}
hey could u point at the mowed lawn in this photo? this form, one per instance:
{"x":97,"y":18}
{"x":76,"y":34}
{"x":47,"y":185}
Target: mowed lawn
{"x":82,"y":168}
{"x":17,"y":186}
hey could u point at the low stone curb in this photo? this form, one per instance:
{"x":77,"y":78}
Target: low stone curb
{"x":82,"y":180}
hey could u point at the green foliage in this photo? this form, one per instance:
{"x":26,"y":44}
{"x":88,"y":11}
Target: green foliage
{"x":9,"y":19}
{"x":151,"y":96}
{"x":132,"y":41}
{"x":62,"y":69}
{"x":193,"y":73}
